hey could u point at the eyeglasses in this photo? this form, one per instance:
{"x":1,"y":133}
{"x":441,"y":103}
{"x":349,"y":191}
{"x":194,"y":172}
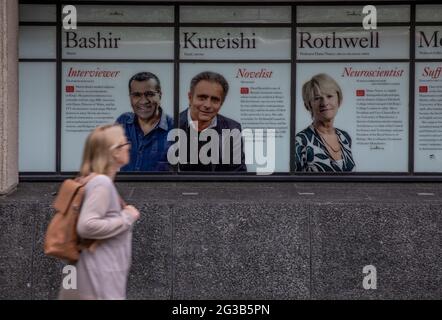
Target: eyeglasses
{"x":146,"y":94}
{"x":119,"y":146}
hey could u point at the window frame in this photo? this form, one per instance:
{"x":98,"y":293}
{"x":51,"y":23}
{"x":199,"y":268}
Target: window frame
{"x":410,"y":175}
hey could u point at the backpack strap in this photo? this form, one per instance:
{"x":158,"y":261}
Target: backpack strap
{"x":85,"y":179}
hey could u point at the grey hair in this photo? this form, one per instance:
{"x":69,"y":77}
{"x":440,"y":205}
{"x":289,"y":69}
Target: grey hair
{"x":211,"y":77}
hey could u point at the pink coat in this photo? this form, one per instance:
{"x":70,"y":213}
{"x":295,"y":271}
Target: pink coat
{"x":102,"y":273}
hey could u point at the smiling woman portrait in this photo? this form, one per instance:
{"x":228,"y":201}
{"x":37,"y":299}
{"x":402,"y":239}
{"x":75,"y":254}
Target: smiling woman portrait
{"x":321,"y":147}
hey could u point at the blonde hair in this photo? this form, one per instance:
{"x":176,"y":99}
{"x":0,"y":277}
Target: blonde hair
{"x":323,"y":83}
{"x":97,"y":152}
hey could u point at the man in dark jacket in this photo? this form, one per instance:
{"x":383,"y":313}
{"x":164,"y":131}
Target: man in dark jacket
{"x":207,"y":93}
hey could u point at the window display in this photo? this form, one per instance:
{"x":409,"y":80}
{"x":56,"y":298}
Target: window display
{"x":364,"y":104}
{"x":305,"y":87}
{"x":99,"y":93}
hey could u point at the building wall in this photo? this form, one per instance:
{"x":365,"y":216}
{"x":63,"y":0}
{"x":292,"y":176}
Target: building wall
{"x":248,"y":241}
{"x":252,"y":240}
{"x":8,"y":95}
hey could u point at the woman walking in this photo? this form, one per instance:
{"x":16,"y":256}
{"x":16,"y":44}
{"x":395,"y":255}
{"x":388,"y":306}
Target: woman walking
{"x":103,"y":268}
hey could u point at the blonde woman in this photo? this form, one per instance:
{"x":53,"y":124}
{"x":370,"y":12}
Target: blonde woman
{"x":102,"y":270}
{"x":321,"y":147}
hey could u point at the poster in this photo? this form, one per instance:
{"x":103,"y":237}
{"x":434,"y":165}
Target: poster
{"x":428,"y":117}
{"x":118,"y":43}
{"x":235,"y":43}
{"x":428,"y":42}
{"x":97,"y":93}
{"x":352,"y":43}
{"x":258,"y":98}
{"x":374,"y":111}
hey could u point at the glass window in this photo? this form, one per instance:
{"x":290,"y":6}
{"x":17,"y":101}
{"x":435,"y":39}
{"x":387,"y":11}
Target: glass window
{"x":37,"y":116}
{"x":371,"y":116}
{"x":429,"y":13}
{"x":235,"y":43}
{"x":429,"y":42}
{"x":38,"y":13}
{"x":98,"y":93}
{"x":114,"y":42}
{"x":37,"y":42}
{"x":230,"y":14}
{"x":129,"y":14}
{"x":428,"y":117}
{"x":258,"y":99}
{"x":350,"y":14}
{"x":353,"y":43}
{"x":118,"y":43}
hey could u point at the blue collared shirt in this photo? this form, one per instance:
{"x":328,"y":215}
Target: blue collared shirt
{"x":148,"y":152}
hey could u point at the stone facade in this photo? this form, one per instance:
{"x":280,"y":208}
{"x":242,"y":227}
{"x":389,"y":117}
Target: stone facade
{"x":248,"y":241}
{"x":8,"y":95}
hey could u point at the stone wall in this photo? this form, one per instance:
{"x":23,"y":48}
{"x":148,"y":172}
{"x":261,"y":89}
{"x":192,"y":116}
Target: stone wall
{"x":248,"y":241}
{"x":8,"y":95}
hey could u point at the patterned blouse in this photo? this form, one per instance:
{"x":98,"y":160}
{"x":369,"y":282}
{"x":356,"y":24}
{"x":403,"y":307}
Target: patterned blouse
{"x":311,"y":155}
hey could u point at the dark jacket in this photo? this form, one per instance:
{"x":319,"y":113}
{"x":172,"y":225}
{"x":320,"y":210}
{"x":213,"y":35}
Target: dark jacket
{"x":222,"y":123}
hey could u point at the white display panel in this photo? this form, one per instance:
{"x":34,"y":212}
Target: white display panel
{"x":38,"y":13}
{"x":97,"y":93}
{"x":428,"y":117}
{"x":258,"y":98}
{"x":37,"y":116}
{"x":374,"y":111}
{"x":351,"y":14}
{"x":429,"y":42}
{"x":37,"y":42}
{"x":352,"y":43}
{"x":118,"y":43}
{"x":235,"y":43}
{"x":130,"y":14}
{"x":231,"y":14}
{"x":429,"y":13}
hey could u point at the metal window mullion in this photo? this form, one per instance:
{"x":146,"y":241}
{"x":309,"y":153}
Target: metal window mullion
{"x":58,"y":80}
{"x":411,"y":93}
